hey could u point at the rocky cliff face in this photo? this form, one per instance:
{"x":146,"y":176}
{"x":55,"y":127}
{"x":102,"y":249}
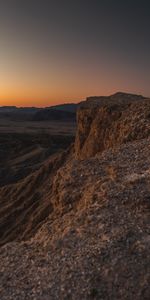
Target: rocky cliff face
{"x":95,"y":242}
{"x":106,"y":122}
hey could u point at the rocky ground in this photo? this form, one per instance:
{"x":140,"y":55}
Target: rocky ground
{"x":95,"y":242}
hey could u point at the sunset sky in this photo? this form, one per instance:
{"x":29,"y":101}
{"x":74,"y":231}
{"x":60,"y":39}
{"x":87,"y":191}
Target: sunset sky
{"x":63,"y":51}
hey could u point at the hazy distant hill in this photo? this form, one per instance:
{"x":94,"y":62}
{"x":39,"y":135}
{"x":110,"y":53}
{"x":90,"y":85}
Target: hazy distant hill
{"x":54,"y":114}
{"x":65,"y":112}
{"x":62,"y":112}
{"x":69,"y":107}
{"x":4,"y":109}
{"x":17,"y":113}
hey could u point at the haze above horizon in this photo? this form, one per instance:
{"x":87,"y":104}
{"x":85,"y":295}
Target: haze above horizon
{"x":56,"y":52}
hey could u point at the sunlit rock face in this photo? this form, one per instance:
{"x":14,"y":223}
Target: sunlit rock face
{"x":105,"y":122}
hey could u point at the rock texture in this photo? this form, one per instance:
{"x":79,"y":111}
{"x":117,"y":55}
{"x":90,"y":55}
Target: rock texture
{"x":95,"y":242}
{"x":106,"y":122}
{"x":26,"y":204}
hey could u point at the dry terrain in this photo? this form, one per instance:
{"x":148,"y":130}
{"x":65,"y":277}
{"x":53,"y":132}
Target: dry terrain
{"x":78,"y":226}
{"x":27,"y":153}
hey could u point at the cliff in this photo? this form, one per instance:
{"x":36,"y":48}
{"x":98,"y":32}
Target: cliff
{"x":105,"y":122}
{"x":94,"y":242}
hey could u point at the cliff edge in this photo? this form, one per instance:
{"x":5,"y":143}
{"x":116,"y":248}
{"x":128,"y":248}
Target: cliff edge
{"x":95,"y":242}
{"x":106,"y":122}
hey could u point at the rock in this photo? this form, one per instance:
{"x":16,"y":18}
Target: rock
{"x":94,"y":244}
{"x":106,"y":122}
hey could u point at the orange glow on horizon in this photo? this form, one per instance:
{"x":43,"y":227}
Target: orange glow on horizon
{"x":43,"y":99}
{"x":45,"y":91}
{"x":38,"y":100}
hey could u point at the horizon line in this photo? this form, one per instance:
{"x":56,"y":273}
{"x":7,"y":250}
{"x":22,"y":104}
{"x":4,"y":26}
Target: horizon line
{"x":75,"y":102}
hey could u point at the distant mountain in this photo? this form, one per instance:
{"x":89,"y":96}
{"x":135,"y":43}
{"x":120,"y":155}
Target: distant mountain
{"x":69,"y":107}
{"x":66,"y":112}
{"x":62,"y":112}
{"x":18,"y":109}
{"x":4,"y":109}
{"x":50,"y":114}
{"x":18,"y":114}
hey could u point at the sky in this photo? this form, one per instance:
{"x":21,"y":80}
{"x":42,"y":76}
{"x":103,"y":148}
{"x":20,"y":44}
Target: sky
{"x":63,"y":51}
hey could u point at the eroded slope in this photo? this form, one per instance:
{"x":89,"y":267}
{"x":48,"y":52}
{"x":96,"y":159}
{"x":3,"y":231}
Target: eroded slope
{"x":96,"y":245}
{"x":95,"y":242}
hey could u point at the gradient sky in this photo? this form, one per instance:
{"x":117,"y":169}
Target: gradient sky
{"x":66,"y":50}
